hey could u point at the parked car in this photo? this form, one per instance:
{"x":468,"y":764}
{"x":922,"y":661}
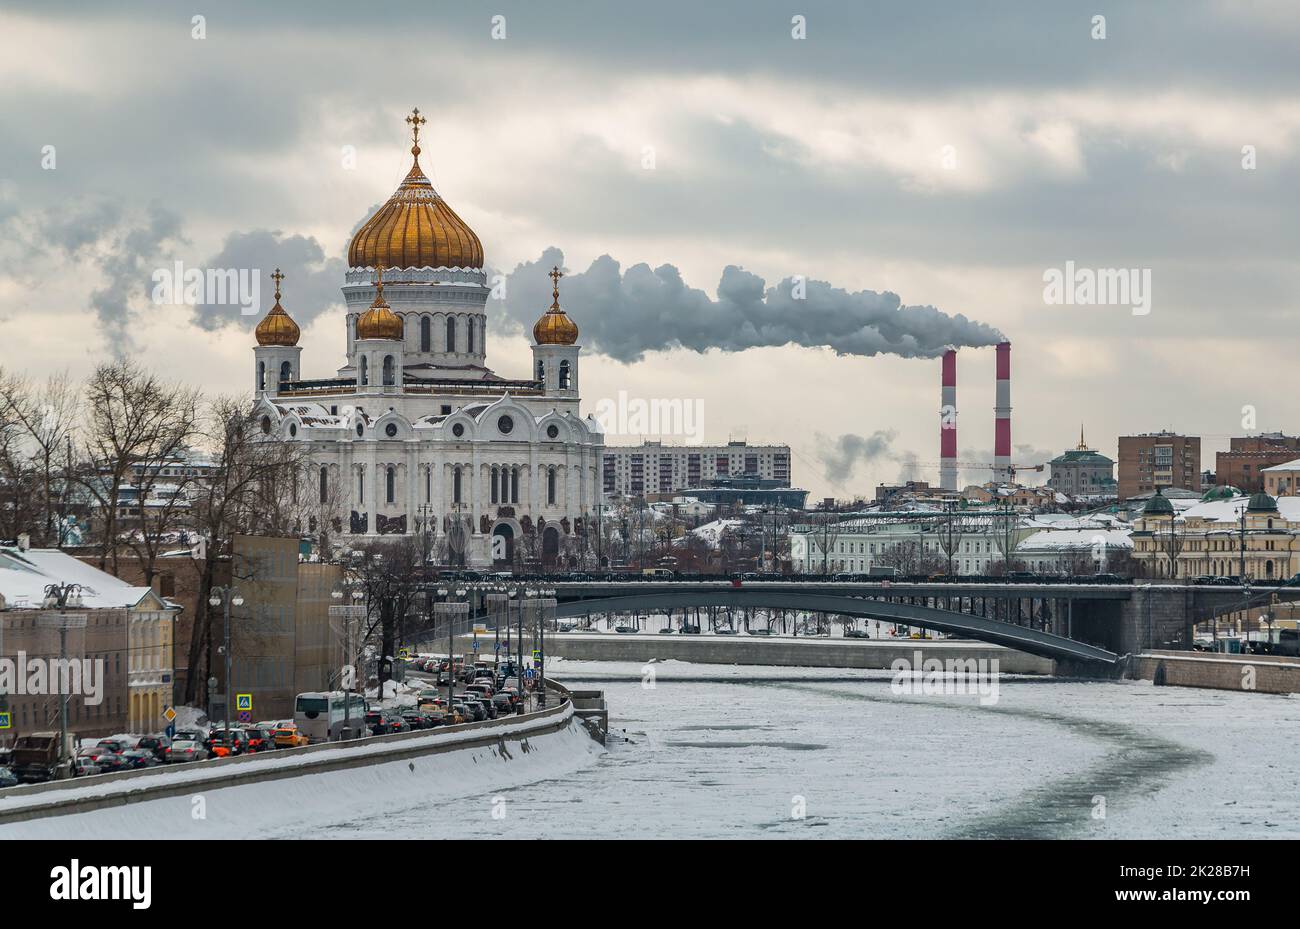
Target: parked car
{"x":259,"y":739}
{"x":288,"y":736}
{"x":137,"y":758}
{"x":109,"y":763}
{"x":186,"y":750}
{"x":475,"y":707}
{"x":156,"y":744}
{"x":760,"y":631}
{"x":459,"y":713}
{"x":504,"y":705}
{"x":82,"y":766}
{"x":8,"y":778}
{"x":116,"y":746}
{"x":415,"y":719}
{"x":224,"y":742}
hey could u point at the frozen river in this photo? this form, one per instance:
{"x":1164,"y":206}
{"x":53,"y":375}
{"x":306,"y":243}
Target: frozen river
{"x":722,"y":751}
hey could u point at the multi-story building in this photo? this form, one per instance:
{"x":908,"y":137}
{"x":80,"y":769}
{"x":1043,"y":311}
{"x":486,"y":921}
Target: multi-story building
{"x":655,"y":468}
{"x":1156,"y":460}
{"x":1213,"y":538}
{"x":1247,"y":457}
{"x":1283,"y":480}
{"x":919,"y":539}
{"x":125,"y":633}
{"x":1082,"y":472}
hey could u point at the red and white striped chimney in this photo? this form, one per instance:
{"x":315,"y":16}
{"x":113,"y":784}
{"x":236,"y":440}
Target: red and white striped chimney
{"x":1002,"y":416}
{"x":948,"y":423}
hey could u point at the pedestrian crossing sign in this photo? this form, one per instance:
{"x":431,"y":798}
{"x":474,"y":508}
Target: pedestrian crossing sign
{"x":244,"y":702}
{"x":6,"y":719}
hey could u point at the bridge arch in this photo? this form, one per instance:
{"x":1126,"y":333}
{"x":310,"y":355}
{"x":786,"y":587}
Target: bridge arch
{"x":1021,"y":638}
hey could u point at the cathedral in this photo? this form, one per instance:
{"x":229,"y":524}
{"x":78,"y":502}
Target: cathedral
{"x":415,"y":433}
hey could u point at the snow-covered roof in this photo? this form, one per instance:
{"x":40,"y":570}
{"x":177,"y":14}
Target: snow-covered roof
{"x":1075,"y":539}
{"x":1285,"y":466}
{"x":24,"y":576}
{"x":1229,"y":511}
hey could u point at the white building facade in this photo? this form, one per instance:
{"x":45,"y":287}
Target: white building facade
{"x":415,"y":429}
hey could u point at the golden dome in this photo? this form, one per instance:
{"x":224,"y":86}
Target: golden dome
{"x":277,"y":327}
{"x":555,"y":327}
{"x":415,"y":228}
{"x":380,"y":322}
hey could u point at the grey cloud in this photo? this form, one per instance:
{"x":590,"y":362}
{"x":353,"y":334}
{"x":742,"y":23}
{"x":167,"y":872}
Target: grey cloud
{"x":842,"y":456}
{"x":311,"y":282}
{"x":625,"y":314}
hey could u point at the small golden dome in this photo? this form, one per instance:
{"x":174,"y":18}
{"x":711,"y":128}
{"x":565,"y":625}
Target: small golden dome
{"x":555,"y":327}
{"x":380,"y":322}
{"x":277,"y":327}
{"x":415,"y":228}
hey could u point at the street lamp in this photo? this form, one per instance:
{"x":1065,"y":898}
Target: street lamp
{"x":60,"y":597}
{"x":226,"y":596}
{"x":346,"y":614}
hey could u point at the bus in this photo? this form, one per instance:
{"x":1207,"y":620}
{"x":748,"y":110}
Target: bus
{"x":321,"y":717}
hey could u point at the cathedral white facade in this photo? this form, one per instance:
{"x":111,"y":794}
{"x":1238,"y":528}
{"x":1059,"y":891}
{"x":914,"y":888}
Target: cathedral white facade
{"x":415,"y":429}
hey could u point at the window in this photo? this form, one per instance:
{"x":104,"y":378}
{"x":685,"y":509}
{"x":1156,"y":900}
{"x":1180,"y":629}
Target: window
{"x":391,"y":430}
{"x":324,"y":484}
{"x":361,"y":486}
{"x":261,"y":375}
{"x":426,"y":334}
{"x":458,"y":430}
{"x":451,"y":333}
{"x":390,"y":484}
{"x":494,"y":484}
{"x":286,"y":370}
{"x":514,"y":485}
{"x":541,"y":370}
{"x":506,"y":425}
{"x":469,"y":335}
{"x":455,"y":484}
{"x":266,"y":425}
{"x":390,"y":377}
{"x":550,"y":487}
{"x":564,"y":375}
{"x":365,"y":374}
{"x":552,"y":431}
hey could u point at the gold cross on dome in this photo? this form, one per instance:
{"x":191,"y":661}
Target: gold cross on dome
{"x":277,"y":277}
{"x":415,"y":121}
{"x":555,"y":276}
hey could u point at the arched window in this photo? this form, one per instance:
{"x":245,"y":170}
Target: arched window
{"x":365,"y":373}
{"x":261,"y":375}
{"x":469,"y":335}
{"x":564,"y":375}
{"x":550,"y":487}
{"x":390,"y":484}
{"x":451,"y":333}
{"x":428,"y":483}
{"x":324,"y":484}
{"x":426,"y":334}
{"x":361,"y":486}
{"x":455,"y":484}
{"x":495,"y":476}
{"x":514,"y":485}
{"x":285,"y":370}
{"x":390,"y":377}
{"x":541,"y":370}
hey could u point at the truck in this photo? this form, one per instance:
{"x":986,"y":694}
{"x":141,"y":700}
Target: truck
{"x":36,"y":756}
{"x":878,"y":570}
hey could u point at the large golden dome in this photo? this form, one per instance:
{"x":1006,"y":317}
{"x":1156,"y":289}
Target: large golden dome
{"x":415,"y":228}
{"x":380,"y":322}
{"x":277,"y":327}
{"x":555,"y":327}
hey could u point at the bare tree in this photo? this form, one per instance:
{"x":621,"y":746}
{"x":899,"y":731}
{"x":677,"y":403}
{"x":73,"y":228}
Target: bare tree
{"x":42,"y":423}
{"x":951,"y":533}
{"x":231,"y":501}
{"x":134,"y":419}
{"x":909,"y":558}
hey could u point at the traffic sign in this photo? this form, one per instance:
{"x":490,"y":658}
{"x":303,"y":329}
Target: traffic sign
{"x":6,"y":720}
{"x":529,"y":674}
{"x":537,"y":655}
{"x":404,"y":654}
{"x":497,"y":647}
{"x":244,"y":702}
{"x":475,"y":645}
{"x":169,"y":714}
{"x":245,"y":716}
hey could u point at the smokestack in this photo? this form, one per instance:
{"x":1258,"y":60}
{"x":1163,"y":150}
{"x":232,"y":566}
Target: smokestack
{"x":948,"y":423}
{"x":1002,"y":416}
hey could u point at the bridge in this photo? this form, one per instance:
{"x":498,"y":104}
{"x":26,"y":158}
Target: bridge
{"x":1094,"y":624}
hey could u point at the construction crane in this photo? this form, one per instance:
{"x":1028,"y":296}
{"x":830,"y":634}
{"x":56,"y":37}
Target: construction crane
{"x":977,"y":465}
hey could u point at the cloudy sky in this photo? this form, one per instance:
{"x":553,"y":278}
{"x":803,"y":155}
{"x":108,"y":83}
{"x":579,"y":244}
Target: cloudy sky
{"x":919,"y":166}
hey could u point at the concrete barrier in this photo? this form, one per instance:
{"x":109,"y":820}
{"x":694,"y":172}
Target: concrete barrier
{"x":783,"y":651}
{"x":1270,"y":674}
{"x":60,"y":798}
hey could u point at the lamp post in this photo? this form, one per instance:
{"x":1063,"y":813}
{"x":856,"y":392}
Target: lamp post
{"x":60,"y":597}
{"x":226,"y":597}
{"x":346,"y":612}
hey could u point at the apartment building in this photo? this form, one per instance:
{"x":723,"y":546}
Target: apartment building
{"x":655,"y":468}
{"x":1158,"y":459}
